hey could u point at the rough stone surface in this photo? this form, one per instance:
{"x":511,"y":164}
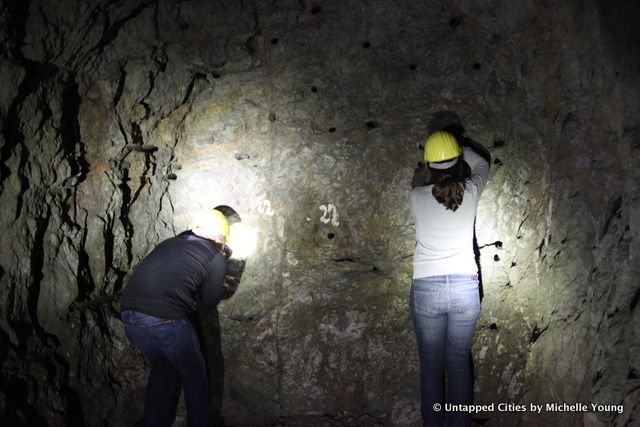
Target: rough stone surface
{"x":119,"y":119}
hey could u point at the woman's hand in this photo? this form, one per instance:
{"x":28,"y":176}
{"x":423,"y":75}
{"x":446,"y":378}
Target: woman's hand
{"x":421,"y":176}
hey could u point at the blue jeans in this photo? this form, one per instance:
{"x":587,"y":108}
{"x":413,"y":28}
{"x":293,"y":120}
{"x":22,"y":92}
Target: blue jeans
{"x":444,"y":310}
{"x":169,"y":346}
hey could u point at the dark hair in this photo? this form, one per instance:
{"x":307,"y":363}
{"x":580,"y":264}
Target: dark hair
{"x":448,"y":184}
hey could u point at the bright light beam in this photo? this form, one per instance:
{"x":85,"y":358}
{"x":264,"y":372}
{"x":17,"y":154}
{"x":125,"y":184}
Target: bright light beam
{"x":243,"y":240}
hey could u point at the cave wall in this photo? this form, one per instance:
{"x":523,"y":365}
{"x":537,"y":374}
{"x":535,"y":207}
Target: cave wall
{"x":120,"y":119}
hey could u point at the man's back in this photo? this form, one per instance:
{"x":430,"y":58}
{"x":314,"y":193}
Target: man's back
{"x":166,"y":281}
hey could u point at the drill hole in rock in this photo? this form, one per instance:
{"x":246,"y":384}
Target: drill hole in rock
{"x":332,"y":130}
{"x":330,"y":236}
{"x":316,"y":9}
{"x":413,"y":67}
{"x":272,"y":117}
{"x":366,"y":45}
{"x":183,"y":26}
{"x":455,"y":21}
{"x":314,"y":89}
{"x":477,"y":66}
{"x":274,"y":41}
{"x":372,"y":124}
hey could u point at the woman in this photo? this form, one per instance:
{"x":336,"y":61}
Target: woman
{"x":444,"y":297}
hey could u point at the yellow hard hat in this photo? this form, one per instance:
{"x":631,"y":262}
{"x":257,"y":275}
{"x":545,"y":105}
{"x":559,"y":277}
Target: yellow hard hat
{"x":441,"y":146}
{"x":215,"y":221}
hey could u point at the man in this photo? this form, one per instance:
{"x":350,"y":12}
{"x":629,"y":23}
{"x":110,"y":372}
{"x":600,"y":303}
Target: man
{"x":155,"y":307}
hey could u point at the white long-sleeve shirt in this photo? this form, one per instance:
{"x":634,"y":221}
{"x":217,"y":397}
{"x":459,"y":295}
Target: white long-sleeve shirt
{"x":444,"y":239}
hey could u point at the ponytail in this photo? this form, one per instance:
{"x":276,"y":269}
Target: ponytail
{"x":448,"y":192}
{"x":448,"y":185}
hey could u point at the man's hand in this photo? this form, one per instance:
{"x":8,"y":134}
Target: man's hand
{"x":235,"y":267}
{"x":226,"y":251}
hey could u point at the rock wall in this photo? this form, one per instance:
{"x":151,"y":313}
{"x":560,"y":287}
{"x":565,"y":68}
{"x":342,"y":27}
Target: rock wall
{"x":120,"y":119}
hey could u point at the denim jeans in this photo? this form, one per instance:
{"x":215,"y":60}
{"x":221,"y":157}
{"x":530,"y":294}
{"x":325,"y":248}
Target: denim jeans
{"x":444,"y":310}
{"x":169,"y":346}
